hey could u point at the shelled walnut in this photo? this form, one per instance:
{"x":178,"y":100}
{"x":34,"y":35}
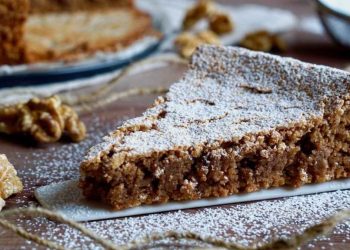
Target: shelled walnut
{"x":208,"y":37}
{"x":197,"y":12}
{"x":219,"y":22}
{"x":263,"y":41}
{"x":186,"y":43}
{"x":44,"y":120}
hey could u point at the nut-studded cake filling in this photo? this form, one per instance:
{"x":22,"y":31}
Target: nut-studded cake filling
{"x":239,"y":121}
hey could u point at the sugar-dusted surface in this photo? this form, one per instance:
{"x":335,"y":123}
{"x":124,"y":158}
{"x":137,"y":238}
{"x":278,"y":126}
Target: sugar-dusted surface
{"x":243,"y":223}
{"x":228,"y":93}
{"x":246,"y":224}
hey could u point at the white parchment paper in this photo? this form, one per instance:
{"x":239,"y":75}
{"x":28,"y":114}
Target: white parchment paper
{"x":67,"y":199}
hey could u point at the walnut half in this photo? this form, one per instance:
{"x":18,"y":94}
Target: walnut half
{"x":44,"y":120}
{"x":200,"y":10}
{"x":262,"y":40}
{"x":219,"y":22}
{"x":186,"y":43}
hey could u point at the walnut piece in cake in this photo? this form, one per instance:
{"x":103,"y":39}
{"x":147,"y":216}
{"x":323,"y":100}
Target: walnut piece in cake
{"x":238,"y":121}
{"x":9,"y":182}
{"x":44,"y":120}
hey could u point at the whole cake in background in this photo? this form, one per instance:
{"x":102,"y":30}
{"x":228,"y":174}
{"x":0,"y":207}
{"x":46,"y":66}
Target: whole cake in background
{"x":238,"y":121}
{"x":13,"y":15}
{"x":44,"y":30}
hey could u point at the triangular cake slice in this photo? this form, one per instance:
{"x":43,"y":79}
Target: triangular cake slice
{"x":238,"y":121}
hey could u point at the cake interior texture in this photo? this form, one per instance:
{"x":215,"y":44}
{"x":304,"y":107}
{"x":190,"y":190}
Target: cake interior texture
{"x":73,"y":35}
{"x":238,"y":121}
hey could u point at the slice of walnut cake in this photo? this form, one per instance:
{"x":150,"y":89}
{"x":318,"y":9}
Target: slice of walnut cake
{"x":238,"y":121}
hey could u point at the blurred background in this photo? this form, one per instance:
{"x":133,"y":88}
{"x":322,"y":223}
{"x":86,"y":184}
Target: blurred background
{"x":58,"y":41}
{"x":309,"y":40}
{"x":100,"y":54}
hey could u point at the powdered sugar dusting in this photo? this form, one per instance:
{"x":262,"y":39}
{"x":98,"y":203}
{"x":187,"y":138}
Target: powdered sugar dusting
{"x":222,"y":98}
{"x":247,"y":224}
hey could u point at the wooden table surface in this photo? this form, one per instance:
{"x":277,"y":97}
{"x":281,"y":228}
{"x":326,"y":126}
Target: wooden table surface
{"x":26,"y":157}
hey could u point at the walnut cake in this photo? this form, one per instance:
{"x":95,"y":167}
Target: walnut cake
{"x":13,"y":15}
{"x":35,"y":31}
{"x":238,"y":121}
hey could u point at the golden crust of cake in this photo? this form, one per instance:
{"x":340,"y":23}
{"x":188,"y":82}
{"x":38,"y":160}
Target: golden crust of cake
{"x":72,"y":36}
{"x":238,"y":121}
{"x":9,"y":182}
